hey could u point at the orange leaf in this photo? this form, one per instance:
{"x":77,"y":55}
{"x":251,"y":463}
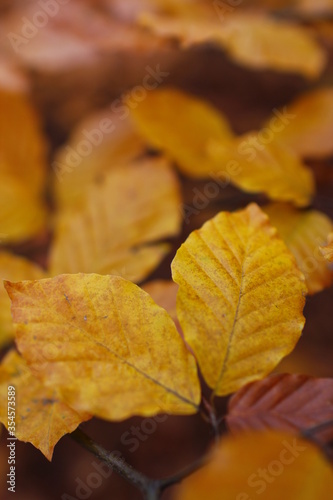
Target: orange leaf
{"x":40,"y":417}
{"x":283,"y":401}
{"x":240,"y":298}
{"x":108,"y":348}
{"x":309,"y":132}
{"x":97,"y":145}
{"x":327,"y":250}
{"x":253,"y":40}
{"x":22,"y":146}
{"x":13,"y":268}
{"x":22,"y":212}
{"x":271,"y":168}
{"x":182,"y":126}
{"x":303,"y":232}
{"x":118,"y":228}
{"x":22,"y":166}
{"x":270,"y":464}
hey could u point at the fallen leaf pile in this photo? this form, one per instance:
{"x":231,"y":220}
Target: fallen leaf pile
{"x":160,"y":247}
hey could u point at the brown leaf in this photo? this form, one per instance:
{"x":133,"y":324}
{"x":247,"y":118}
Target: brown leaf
{"x":284,"y":402}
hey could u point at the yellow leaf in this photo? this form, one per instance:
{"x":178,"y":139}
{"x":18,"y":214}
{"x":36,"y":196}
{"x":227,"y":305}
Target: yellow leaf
{"x":22,"y":146}
{"x":310,"y":128}
{"x":13,"y":268}
{"x":303,"y":232}
{"x":253,"y":40}
{"x":23,"y":214}
{"x":269,"y":465}
{"x":271,"y":168}
{"x":22,"y":165}
{"x":108,"y":348}
{"x":182,"y":126}
{"x":327,"y":250}
{"x":40,"y":417}
{"x":98,"y":144}
{"x":122,"y":218}
{"x":240,"y":298}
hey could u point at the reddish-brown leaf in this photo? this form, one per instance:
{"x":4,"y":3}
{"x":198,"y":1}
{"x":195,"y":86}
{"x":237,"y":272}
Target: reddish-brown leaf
{"x":285,"y":402}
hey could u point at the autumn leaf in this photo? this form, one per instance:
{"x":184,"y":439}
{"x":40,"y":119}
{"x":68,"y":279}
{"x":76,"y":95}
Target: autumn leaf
{"x":182,"y":127}
{"x":270,"y":464}
{"x":108,"y":348}
{"x":310,"y":128}
{"x":240,"y":298}
{"x":284,"y":402}
{"x":22,"y":145}
{"x":13,"y":268}
{"x":303,"y":232}
{"x":327,"y":250}
{"x":119,"y":228}
{"x":98,"y":144}
{"x":251,"y":39}
{"x":271,"y":168}
{"x":22,"y":167}
{"x":40,"y":417}
{"x":22,"y":213}
{"x":199,"y":140}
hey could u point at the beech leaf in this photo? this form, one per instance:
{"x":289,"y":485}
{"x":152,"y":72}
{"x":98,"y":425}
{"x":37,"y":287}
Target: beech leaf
{"x":271,"y":464}
{"x":182,"y":126}
{"x":22,"y":145}
{"x":40,"y":417}
{"x":22,"y":213}
{"x":114,"y":142}
{"x":272,"y":168}
{"x":108,"y":348}
{"x":303,"y":232}
{"x":13,"y":268}
{"x":310,"y":129}
{"x":118,"y":228}
{"x":327,"y":250}
{"x":240,"y":298}
{"x":285,"y":402}
{"x":253,"y":40}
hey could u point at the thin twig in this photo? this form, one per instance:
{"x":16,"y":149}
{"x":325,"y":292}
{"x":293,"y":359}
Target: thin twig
{"x":214,"y":422}
{"x":150,"y":488}
{"x":114,"y":462}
